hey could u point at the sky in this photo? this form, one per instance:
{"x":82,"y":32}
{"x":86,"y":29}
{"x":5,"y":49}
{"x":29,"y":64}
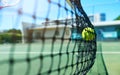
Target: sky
{"x":10,"y":19}
{"x":110,"y":7}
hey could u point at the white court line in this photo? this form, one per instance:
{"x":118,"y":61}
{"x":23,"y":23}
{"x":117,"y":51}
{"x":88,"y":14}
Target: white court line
{"x":53,"y":52}
{"x":108,"y":52}
{"x":31,"y":52}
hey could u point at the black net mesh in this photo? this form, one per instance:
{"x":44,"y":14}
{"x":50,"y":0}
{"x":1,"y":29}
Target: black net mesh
{"x":50,"y":41}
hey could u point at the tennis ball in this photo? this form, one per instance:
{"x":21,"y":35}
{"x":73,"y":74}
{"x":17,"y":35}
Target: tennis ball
{"x":88,"y":34}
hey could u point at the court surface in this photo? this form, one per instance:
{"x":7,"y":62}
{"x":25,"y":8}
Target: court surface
{"x":110,"y":50}
{"x":20,"y":52}
{"x":111,"y":55}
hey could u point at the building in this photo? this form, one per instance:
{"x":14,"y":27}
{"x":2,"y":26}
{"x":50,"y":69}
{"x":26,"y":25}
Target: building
{"x":32,"y":33}
{"x":57,"y":29}
{"x":99,"y":17}
{"x":109,"y":30}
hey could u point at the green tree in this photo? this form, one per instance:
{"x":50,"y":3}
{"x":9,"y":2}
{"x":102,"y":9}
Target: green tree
{"x":14,"y":31}
{"x":11,"y":36}
{"x":1,"y":41}
{"x":118,"y":18}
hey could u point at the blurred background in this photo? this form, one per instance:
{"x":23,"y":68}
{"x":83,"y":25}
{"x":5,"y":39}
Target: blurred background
{"x":104,"y":15}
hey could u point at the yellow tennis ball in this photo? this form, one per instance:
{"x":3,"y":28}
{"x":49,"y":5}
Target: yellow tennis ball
{"x":88,"y":34}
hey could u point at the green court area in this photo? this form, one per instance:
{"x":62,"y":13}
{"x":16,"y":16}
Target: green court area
{"x":111,"y":55}
{"x":41,"y":58}
{"x":20,"y":52}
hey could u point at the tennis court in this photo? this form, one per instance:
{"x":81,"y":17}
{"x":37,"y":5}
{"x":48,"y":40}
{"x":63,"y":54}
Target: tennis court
{"x":37,"y":63}
{"x":111,"y":54}
{"x":20,"y":66}
{"x":58,"y":58}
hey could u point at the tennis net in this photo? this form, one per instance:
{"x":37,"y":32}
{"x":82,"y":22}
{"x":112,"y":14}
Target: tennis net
{"x":49,"y":41}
